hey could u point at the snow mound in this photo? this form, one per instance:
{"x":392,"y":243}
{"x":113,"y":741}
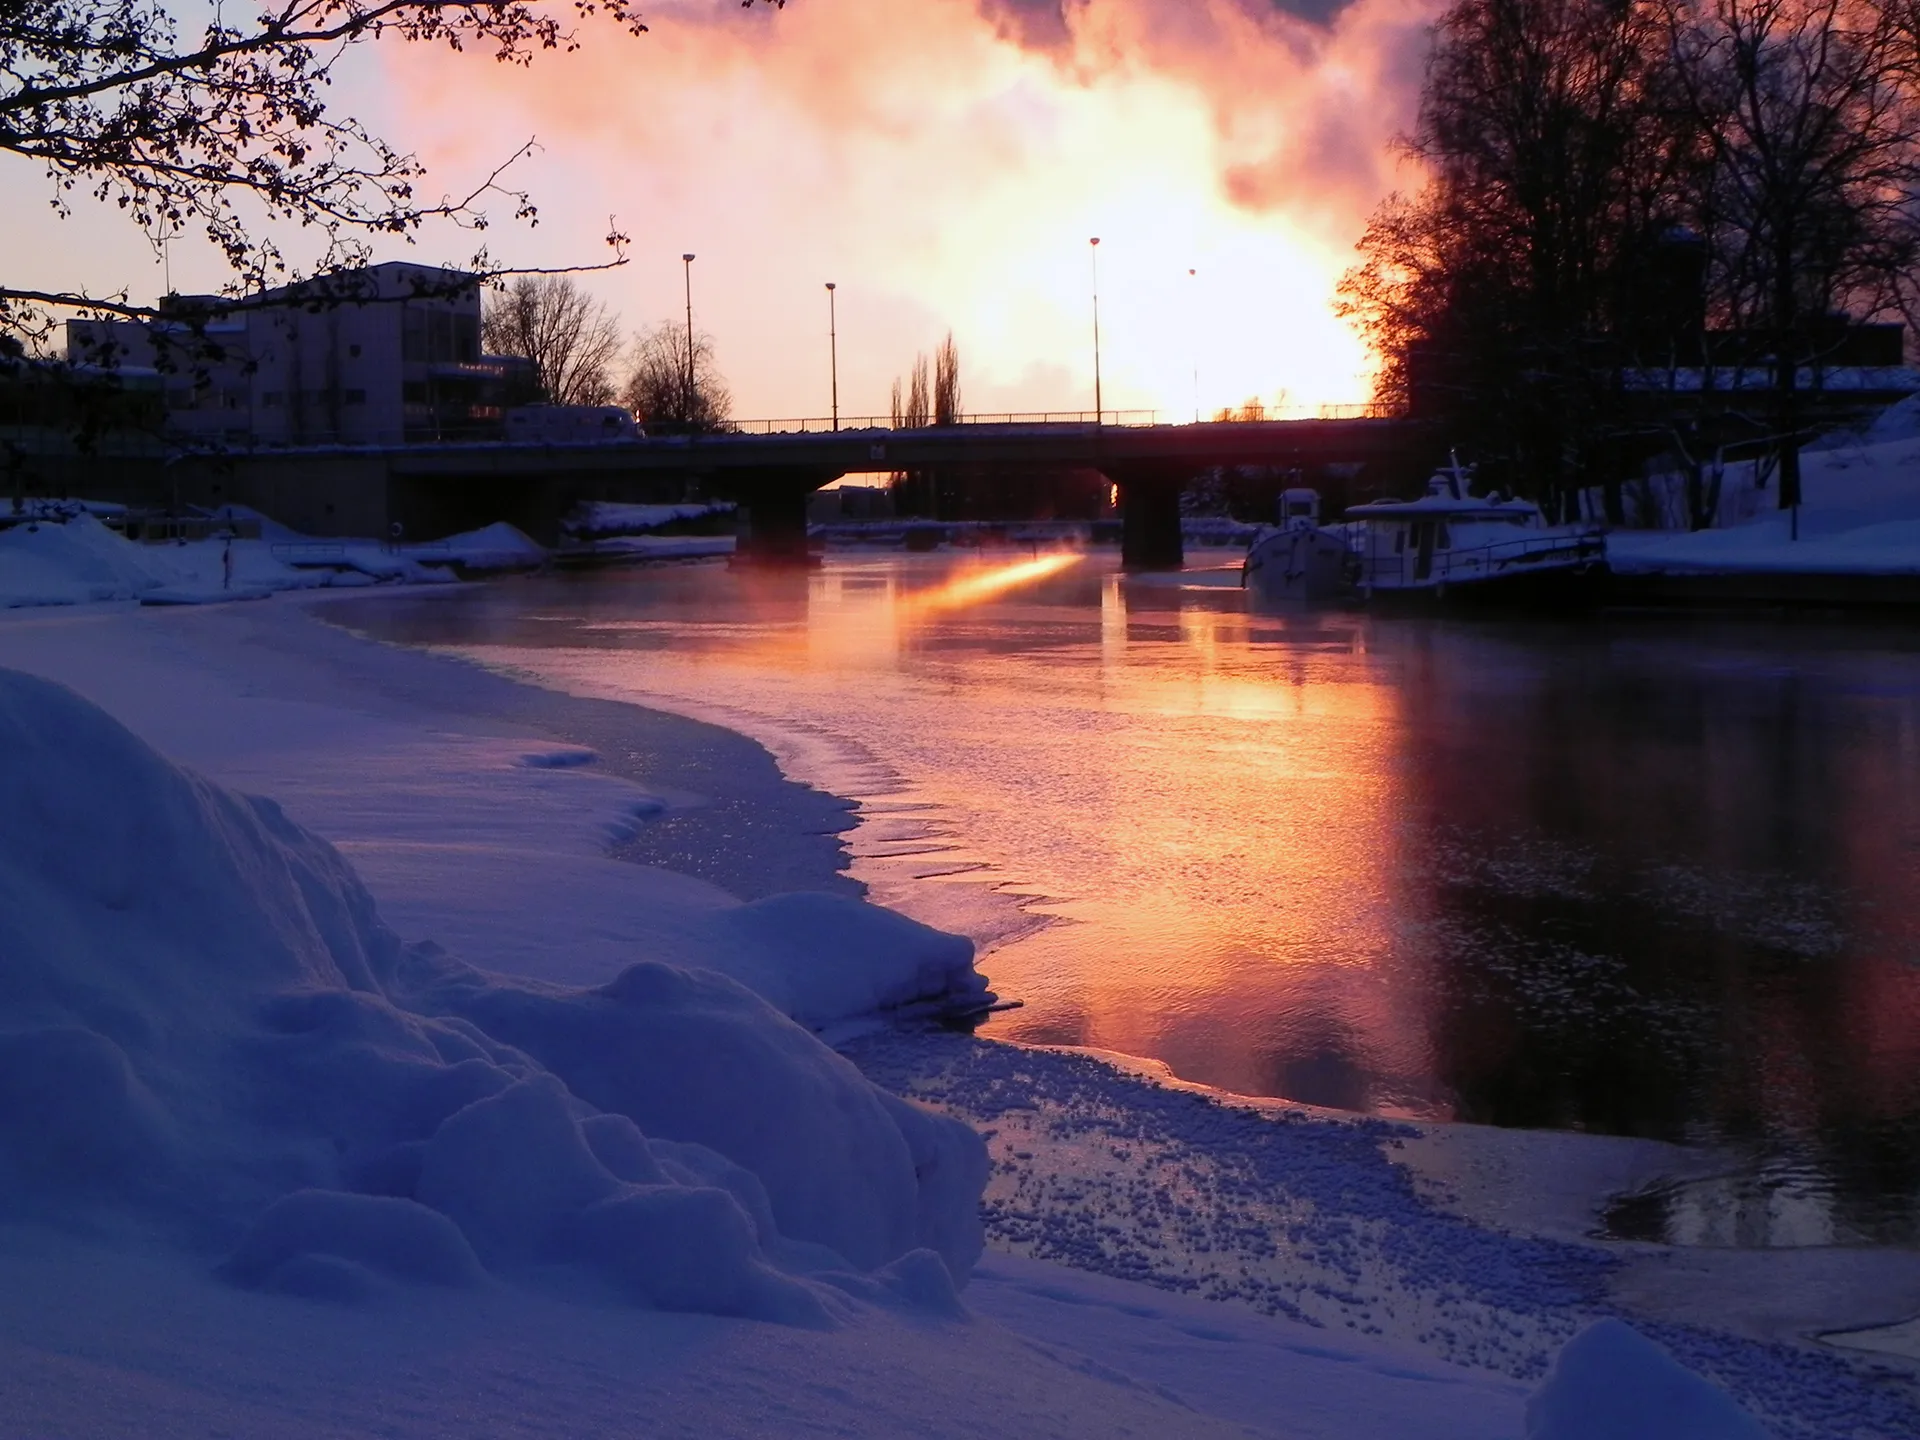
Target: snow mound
{"x":1611,"y":1383}
{"x":498,"y":546}
{"x":382,"y":1234}
{"x":825,"y":958}
{"x":203,"y":1022}
{"x":674,"y":1051}
{"x":71,"y":560}
{"x":593,"y":518}
{"x":1899,"y":421}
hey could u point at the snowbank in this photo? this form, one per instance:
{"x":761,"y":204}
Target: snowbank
{"x":1860,"y":513}
{"x":204,"y":1022}
{"x":498,"y":546}
{"x":591,"y":519}
{"x":1611,"y":1383}
{"x":70,"y":558}
{"x":823,"y":959}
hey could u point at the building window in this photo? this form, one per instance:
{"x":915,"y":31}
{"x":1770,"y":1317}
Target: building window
{"x":272,"y":397}
{"x":356,"y":397}
{"x":353,"y":352}
{"x":413,"y":335}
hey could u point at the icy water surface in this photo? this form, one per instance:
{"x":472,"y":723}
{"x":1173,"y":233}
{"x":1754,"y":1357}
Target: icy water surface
{"x":1651,"y":876}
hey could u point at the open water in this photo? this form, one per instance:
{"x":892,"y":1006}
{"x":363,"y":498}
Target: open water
{"x":1646,"y":875}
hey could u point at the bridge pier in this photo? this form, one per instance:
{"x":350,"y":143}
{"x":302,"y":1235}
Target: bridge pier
{"x":774,"y":502}
{"x":1150,"y":515}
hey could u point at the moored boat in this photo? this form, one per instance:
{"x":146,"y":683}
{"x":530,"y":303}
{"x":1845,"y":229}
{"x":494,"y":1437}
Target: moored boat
{"x":1300,"y":561}
{"x":1447,"y":545}
{"x":1452,"y":543}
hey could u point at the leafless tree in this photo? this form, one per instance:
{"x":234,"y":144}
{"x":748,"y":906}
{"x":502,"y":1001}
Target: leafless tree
{"x":573,"y":342}
{"x":1546,"y":130}
{"x":916,"y":409}
{"x":946,"y":383}
{"x":664,"y":393}
{"x":225,"y":128}
{"x":1810,"y":112}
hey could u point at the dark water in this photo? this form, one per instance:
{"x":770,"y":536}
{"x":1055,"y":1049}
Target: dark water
{"x":1648,"y":876}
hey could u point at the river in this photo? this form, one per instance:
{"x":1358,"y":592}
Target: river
{"x":1648,"y":875}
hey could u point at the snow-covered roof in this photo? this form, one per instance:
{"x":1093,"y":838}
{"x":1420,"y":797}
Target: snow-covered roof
{"x":1693,"y":379}
{"x":1473,"y":507}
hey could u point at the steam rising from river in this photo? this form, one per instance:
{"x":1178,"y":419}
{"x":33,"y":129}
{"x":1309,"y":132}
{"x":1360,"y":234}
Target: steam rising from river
{"x":945,"y":163}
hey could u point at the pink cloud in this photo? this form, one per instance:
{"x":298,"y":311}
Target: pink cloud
{"x":945,"y":162}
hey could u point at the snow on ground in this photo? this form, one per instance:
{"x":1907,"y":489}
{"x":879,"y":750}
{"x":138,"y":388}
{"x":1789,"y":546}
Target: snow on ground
{"x":596,"y":518}
{"x":66,"y":556}
{"x":73,"y":559}
{"x":208,"y":1026}
{"x":1860,"y":514}
{"x":1296,"y":1214}
{"x":498,"y":1153}
{"x":656,"y":547}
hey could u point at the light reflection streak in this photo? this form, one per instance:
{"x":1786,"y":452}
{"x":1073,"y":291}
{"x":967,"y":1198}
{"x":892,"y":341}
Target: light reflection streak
{"x":974,"y":587}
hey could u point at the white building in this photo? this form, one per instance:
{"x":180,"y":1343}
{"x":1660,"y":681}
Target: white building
{"x":388,"y":355}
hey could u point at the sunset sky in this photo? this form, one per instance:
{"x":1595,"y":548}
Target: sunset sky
{"x":944,"y":162}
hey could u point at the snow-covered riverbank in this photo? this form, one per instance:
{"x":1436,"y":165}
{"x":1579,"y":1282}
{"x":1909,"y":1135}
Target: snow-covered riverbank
{"x":479,"y":815}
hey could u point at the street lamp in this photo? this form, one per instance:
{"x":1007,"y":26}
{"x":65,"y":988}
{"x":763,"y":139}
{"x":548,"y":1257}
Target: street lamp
{"x":1095,"y":251}
{"x":833,"y":353}
{"x":1195,"y":336}
{"x":687,"y":262}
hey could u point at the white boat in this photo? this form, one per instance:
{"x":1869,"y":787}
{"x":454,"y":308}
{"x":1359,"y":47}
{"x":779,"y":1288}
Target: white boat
{"x":1300,"y":561}
{"x":1451,"y":542}
{"x":1448,"y":544}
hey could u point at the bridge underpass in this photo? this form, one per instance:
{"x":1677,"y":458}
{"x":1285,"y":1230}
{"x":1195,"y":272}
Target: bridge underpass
{"x":438,"y":489}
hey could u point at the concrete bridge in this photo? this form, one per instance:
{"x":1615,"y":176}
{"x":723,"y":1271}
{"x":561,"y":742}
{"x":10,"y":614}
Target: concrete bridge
{"x":437,"y":489}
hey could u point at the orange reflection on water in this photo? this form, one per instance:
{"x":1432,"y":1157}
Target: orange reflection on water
{"x":972,"y":586}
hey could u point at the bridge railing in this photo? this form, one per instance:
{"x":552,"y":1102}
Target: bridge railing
{"x":818,"y":424}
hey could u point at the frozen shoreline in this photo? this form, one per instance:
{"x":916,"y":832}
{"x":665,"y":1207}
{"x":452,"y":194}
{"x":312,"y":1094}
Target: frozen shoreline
{"x":354,"y":739}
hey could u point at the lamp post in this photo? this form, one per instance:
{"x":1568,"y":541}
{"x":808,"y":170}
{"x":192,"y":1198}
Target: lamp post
{"x":833,"y":353}
{"x":1094,"y":245}
{"x":1194,"y":275}
{"x":687,"y":264}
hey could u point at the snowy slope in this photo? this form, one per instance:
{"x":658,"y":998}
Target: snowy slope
{"x":497,"y":1160}
{"x":206,"y":1023}
{"x":1860,"y":513}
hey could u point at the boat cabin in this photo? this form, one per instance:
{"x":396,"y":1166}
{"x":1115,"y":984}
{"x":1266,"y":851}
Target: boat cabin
{"x":1449,"y":536}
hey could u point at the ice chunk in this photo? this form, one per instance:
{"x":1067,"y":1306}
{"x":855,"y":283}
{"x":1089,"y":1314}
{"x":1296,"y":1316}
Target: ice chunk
{"x":1612,"y":1383}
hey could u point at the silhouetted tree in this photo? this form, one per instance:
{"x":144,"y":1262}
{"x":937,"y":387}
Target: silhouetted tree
{"x":1808,"y":110}
{"x":663,"y":394}
{"x":917,"y":408}
{"x":1546,"y":127}
{"x":573,"y":342}
{"x":1619,"y":186}
{"x":946,"y":383}
{"x":225,"y":128}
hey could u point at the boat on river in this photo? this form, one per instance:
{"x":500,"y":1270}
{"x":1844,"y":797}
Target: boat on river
{"x":1301,"y":561}
{"x":1447,"y":545}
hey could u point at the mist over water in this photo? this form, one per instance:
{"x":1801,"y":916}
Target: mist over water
{"x":1646,"y":876}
